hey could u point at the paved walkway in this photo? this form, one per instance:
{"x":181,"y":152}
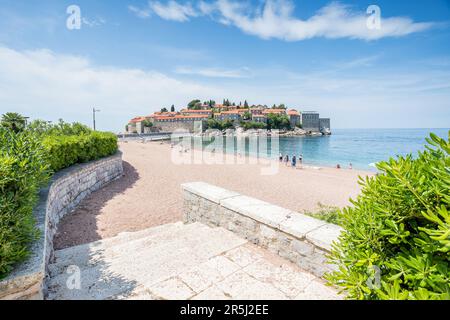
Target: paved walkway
{"x":178,"y":261}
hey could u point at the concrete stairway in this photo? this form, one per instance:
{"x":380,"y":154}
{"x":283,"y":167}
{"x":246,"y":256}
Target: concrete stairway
{"x":177,"y":261}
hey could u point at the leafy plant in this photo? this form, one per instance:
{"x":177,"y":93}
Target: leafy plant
{"x":13,"y":121}
{"x":400,"y":226}
{"x":326,"y":213}
{"x":27,"y":157}
{"x":64,"y":151}
{"x":278,"y":121}
{"x":23,"y":170}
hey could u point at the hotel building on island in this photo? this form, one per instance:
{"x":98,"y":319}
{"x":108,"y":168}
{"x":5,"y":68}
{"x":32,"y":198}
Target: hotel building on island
{"x":185,"y":118}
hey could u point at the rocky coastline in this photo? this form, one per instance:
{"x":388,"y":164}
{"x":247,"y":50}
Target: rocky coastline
{"x":240,"y":132}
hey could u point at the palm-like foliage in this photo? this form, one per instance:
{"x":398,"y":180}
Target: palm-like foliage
{"x":13,"y":121}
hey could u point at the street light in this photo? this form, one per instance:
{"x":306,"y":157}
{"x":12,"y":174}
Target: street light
{"x":93,"y":115}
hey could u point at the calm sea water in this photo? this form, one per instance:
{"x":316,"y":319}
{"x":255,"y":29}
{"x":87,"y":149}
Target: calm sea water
{"x":361,"y":147}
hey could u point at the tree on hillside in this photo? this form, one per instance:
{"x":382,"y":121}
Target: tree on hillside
{"x":245,"y":104}
{"x":13,"y":121}
{"x":282,"y":106}
{"x":194,"y":104}
{"x":172,"y":108}
{"x":147,"y":124}
{"x":278,"y":121}
{"x":164,"y":110}
{"x":247,"y":115}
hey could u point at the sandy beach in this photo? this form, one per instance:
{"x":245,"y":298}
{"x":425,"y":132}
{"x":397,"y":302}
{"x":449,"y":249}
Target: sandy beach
{"x":149,"y":193}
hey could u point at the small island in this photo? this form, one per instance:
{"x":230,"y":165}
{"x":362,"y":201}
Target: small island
{"x":229,"y":118}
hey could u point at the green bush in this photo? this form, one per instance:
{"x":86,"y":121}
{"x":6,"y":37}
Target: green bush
{"x":64,"y":151}
{"x":23,"y":169}
{"x":254,"y":125}
{"x":326,"y":213}
{"x":27,"y":157}
{"x":396,"y":238}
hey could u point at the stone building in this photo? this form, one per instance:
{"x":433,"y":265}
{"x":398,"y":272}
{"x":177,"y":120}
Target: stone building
{"x":294,"y":117}
{"x":259,"y":118}
{"x":190,"y":112}
{"x":233,"y":115}
{"x":179,"y":122}
{"x":310,"y":121}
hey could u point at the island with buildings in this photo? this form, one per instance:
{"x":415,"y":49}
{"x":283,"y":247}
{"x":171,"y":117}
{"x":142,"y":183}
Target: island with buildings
{"x":209,"y":116}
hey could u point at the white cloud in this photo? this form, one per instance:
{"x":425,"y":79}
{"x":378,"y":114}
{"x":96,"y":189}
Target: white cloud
{"x":43,"y":84}
{"x":275,"y":20}
{"x":215,"y":72}
{"x":141,"y":13}
{"x":173,"y":10}
{"x":335,"y":20}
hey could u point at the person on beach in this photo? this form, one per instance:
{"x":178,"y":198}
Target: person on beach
{"x":286,"y":160}
{"x":338,"y":166}
{"x":294,"y":161}
{"x":350,"y":166}
{"x":300,"y":160}
{"x":280,"y":157}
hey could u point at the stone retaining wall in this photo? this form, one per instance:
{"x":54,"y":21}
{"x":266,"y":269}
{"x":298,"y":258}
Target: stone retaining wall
{"x":66,"y":189}
{"x":299,"y":238}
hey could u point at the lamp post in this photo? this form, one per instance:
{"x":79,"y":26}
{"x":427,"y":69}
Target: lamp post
{"x":93,"y":115}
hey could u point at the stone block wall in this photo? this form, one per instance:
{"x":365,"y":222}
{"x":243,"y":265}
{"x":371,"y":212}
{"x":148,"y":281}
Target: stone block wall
{"x":64,"y":192}
{"x":296,"y":237}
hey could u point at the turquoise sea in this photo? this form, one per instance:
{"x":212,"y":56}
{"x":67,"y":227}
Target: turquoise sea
{"x":361,"y":147}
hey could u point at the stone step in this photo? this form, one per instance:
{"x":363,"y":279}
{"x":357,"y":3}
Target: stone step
{"x":117,"y":240}
{"x":113,"y":267}
{"x":88,"y":255}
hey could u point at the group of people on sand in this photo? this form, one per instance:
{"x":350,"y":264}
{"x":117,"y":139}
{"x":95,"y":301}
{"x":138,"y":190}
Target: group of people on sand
{"x":291,"y":161}
{"x":350,"y":166}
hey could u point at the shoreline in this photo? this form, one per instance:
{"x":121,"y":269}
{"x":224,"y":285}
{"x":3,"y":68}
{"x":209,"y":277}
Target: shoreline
{"x":305,"y":165}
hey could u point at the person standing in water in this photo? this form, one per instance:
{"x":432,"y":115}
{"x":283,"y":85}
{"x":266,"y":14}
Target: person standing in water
{"x":286,"y":160}
{"x":294,"y":161}
{"x":280,"y":157}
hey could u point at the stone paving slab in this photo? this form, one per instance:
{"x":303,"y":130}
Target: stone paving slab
{"x":197,"y":262}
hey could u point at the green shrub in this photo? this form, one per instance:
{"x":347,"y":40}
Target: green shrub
{"x":254,"y":125}
{"x":396,"y":243}
{"x":27,"y":156}
{"x":65,"y":151}
{"x":326,"y":213}
{"x":23,"y":169}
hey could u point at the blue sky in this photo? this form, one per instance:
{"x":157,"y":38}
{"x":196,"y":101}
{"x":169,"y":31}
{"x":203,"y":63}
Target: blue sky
{"x":133,"y":57}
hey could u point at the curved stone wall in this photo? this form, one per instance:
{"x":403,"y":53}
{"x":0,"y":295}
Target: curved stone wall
{"x":65,"y":191}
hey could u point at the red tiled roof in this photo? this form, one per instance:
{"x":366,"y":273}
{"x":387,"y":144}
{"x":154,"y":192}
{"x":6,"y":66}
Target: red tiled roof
{"x":137,"y":119}
{"x":293,"y":112}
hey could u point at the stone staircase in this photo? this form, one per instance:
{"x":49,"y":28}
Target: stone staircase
{"x":178,"y":261}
